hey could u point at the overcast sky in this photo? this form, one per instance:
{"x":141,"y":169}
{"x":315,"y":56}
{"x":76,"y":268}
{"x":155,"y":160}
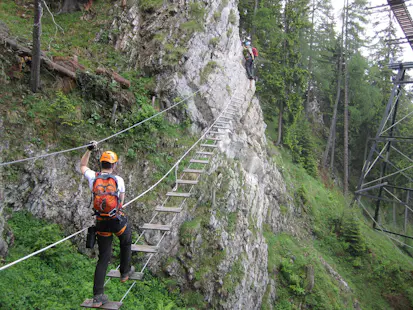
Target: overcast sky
{"x":408,"y":52}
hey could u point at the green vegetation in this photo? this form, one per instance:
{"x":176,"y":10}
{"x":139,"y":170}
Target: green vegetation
{"x":173,"y":54}
{"x":233,"y":278}
{"x":61,"y":278}
{"x":232,"y":17}
{"x":217,"y":16}
{"x":150,"y":5}
{"x":208,"y":69}
{"x":214,"y":42}
{"x":78,"y":37}
{"x":377,"y":272}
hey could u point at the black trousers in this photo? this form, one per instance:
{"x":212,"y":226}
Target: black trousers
{"x":105,"y":249}
{"x":249,"y":67}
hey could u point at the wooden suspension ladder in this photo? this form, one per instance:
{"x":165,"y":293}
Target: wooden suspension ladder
{"x":188,"y":180}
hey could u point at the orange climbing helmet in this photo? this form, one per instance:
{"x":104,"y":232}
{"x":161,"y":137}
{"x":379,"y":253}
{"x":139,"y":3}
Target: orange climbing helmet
{"x":109,"y":157}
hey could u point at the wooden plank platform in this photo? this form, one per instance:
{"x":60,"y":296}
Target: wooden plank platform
{"x":111,"y":305}
{"x":162,"y":227}
{"x":205,"y":153}
{"x":167,"y":209}
{"x":199,"y":161}
{"x":144,"y":248}
{"x":187,"y":170}
{"x":222,"y":127}
{"x":212,"y":139}
{"x":191,"y":182}
{"x":209,"y":145}
{"x":217,"y":133}
{"x":176,"y":194}
{"x":134,"y":276}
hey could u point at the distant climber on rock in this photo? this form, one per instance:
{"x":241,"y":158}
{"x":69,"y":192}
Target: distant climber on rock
{"x":108,"y":192}
{"x":249,"y":58}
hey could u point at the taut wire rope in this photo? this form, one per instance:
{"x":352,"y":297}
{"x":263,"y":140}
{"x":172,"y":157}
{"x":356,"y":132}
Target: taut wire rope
{"x":125,"y":205}
{"x":167,"y":232}
{"x":104,"y":139}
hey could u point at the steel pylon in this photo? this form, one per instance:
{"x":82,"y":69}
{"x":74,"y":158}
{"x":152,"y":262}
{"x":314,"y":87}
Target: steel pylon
{"x":386,"y":179}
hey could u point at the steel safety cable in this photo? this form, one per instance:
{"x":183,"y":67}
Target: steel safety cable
{"x":134,"y":199}
{"x":41,"y":250}
{"x":165,"y":233}
{"x":150,"y":222}
{"x":102,"y":140}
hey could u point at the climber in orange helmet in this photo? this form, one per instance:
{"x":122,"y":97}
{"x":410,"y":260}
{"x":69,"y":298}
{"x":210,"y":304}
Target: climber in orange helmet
{"x":108,"y":192}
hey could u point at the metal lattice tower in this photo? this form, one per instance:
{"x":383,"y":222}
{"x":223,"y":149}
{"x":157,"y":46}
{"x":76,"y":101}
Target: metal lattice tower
{"x":381,"y":177}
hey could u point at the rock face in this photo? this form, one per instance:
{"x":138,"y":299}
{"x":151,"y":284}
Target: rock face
{"x":216,"y":248}
{"x":219,"y":249}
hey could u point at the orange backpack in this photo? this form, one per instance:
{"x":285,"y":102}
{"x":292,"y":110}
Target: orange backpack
{"x":105,"y":194}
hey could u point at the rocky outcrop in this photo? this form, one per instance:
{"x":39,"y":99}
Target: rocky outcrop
{"x":219,"y":251}
{"x":217,"y":248}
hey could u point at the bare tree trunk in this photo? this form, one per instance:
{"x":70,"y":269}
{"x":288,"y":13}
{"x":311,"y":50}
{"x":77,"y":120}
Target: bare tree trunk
{"x":280,"y":115}
{"x":333,"y":148}
{"x":254,"y":29}
{"x":280,"y":127}
{"x":70,"y":6}
{"x":310,"y":62}
{"x":37,"y":32}
{"x":406,"y":212}
{"x":346,"y":102}
{"x":331,"y":141}
{"x":394,"y":211}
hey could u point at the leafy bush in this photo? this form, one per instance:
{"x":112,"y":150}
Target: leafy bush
{"x":214,"y":42}
{"x":208,"y":69}
{"x":173,"y":54}
{"x":232,"y":18}
{"x":192,"y":26}
{"x":217,"y":16}
{"x":150,"y":5}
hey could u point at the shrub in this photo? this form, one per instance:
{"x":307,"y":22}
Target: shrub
{"x":214,"y":42}
{"x":150,"y":5}
{"x":232,"y":18}
{"x":217,"y":16}
{"x":208,"y":69}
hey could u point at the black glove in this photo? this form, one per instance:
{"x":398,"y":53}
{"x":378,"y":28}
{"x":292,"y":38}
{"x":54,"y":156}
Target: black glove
{"x":93,"y":145}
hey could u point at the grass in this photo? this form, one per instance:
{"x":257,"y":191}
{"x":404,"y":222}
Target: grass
{"x":379,"y":275}
{"x":78,"y":38}
{"x":61,"y":278}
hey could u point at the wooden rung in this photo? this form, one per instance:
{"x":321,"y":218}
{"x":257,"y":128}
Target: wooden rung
{"x":191,"y":182}
{"x":199,"y":161}
{"x":176,"y":194}
{"x":111,"y":305}
{"x":209,"y":145}
{"x":217,"y":133}
{"x":205,"y":153}
{"x":155,"y":227}
{"x":230,"y":118}
{"x":167,"y":209}
{"x":223,"y":123}
{"x":144,"y":248}
{"x":222,"y":127}
{"x":187,"y":170}
{"x":134,"y":276}
{"x":212,"y":139}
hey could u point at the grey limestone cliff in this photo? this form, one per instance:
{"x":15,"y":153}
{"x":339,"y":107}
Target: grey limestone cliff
{"x":216,"y":247}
